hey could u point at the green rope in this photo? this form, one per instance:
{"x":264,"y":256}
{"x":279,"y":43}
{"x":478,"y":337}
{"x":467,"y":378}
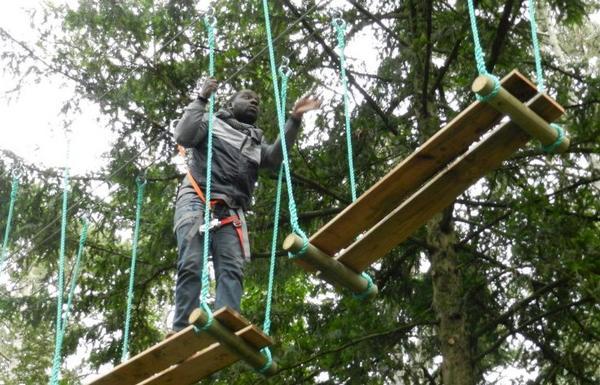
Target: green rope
{"x":267,"y":322}
{"x":536,"y":47}
{"x":13,"y":197}
{"x":141,"y":184}
{"x":209,"y":22}
{"x":479,"y":59}
{"x":340,"y":27}
{"x":61,"y":272}
{"x":75,"y":274}
{"x":539,"y":74}
{"x":281,"y":123}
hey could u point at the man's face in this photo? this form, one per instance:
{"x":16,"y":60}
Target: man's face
{"x":245,"y":106}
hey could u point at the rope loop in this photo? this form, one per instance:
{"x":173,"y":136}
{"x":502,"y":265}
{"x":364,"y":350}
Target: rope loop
{"x":337,"y":19}
{"x":284,"y":68}
{"x":362,"y":296}
{"x":210,"y":18}
{"x":493,"y":93}
{"x":561,"y":136}
{"x":267,"y":353}
{"x":209,"y":322}
{"x":17,"y":172}
{"x":305,"y":244}
{"x":141,"y":180}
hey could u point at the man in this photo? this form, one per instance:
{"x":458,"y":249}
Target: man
{"x":239,"y":150}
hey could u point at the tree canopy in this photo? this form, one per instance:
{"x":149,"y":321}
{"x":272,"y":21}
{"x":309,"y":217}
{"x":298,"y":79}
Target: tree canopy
{"x":514,"y":262}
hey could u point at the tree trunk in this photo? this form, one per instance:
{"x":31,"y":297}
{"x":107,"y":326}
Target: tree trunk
{"x":457,"y":367}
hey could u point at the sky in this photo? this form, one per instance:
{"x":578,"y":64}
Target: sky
{"x":32,"y":125}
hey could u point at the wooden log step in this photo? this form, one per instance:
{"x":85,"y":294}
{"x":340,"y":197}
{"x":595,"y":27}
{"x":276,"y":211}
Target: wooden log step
{"x":249,"y":351}
{"x":404,"y":179}
{"x":519,"y":113}
{"x":204,"y":363}
{"x":169,"y":352}
{"x":440,"y":191}
{"x":331,"y":270}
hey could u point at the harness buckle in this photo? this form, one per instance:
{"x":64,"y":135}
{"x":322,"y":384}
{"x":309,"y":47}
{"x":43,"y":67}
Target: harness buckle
{"x":213,"y":224}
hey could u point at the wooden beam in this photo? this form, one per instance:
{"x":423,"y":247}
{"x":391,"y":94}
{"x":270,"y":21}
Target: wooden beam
{"x":201,"y":365}
{"x":442,"y":189}
{"x":159,"y":357}
{"x":519,"y":113}
{"x":232,"y":342}
{"x":331,"y":270}
{"x":404,"y":179}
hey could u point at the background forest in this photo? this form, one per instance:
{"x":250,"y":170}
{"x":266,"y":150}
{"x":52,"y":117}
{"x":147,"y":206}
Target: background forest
{"x":514,"y":262}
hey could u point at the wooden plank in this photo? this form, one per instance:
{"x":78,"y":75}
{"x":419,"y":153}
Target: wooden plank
{"x":202,"y":364}
{"x":234,"y":321}
{"x":166,"y":353}
{"x":447,"y":144}
{"x":443,"y":189}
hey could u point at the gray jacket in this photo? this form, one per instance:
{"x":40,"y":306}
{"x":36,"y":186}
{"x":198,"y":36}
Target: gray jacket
{"x":239,"y":150}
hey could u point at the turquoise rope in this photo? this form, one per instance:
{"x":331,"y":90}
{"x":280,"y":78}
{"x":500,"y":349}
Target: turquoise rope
{"x":281,"y":123}
{"x":267,"y":322}
{"x":539,"y":74}
{"x":13,"y":197}
{"x":479,"y":59}
{"x":340,"y":27}
{"x":141,"y":184}
{"x":284,"y":73}
{"x":75,"y":275}
{"x":209,"y":22}
{"x":536,"y":47}
{"x":61,"y":273}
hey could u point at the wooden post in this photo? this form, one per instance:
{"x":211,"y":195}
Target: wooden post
{"x":519,"y":113}
{"x":332,"y":270}
{"x":232,"y":342}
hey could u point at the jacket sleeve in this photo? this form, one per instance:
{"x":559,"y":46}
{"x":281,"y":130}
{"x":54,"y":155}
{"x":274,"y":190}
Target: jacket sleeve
{"x":191,"y":128}
{"x":272,"y":154}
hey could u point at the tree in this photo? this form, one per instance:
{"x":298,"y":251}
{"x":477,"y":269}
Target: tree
{"x":504,"y":278}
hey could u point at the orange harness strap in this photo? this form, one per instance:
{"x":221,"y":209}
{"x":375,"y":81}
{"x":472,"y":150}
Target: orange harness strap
{"x":233,"y":219}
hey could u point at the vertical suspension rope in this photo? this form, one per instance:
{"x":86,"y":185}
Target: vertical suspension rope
{"x":340,"y":27}
{"x":56,"y":362}
{"x":141,"y":184}
{"x":13,"y":197}
{"x":536,"y":46}
{"x":284,"y":72}
{"x":75,"y":274}
{"x":479,"y":59}
{"x":281,"y":123}
{"x":209,"y":22}
{"x":539,"y":74}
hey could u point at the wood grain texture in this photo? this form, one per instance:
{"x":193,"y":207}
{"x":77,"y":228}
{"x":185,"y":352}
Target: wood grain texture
{"x":441,"y":190}
{"x":177,"y":349}
{"x":404,"y":179}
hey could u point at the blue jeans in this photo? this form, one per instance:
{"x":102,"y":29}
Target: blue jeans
{"x":227,"y":256}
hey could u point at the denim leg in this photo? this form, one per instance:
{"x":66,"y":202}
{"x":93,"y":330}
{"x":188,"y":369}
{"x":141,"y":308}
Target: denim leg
{"x":189,"y":265}
{"x":228,"y":260}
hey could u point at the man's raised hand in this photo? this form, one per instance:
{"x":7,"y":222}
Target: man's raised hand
{"x":305,"y":104}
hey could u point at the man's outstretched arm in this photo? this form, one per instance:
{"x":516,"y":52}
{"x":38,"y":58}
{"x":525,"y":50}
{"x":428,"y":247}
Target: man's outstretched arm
{"x":272,"y":154}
